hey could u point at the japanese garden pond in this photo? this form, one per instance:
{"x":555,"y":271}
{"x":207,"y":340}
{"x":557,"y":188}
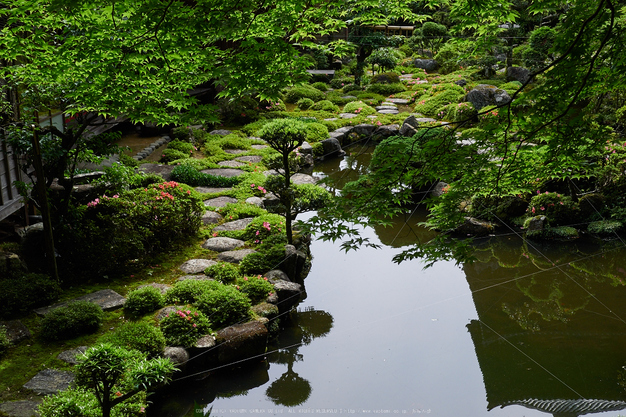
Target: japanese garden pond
{"x":528,"y":329}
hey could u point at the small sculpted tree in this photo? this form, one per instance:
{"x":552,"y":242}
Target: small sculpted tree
{"x":114,"y":375}
{"x":284,"y":136}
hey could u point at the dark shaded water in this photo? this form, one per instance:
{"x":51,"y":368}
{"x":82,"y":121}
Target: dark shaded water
{"x":527,"y":330}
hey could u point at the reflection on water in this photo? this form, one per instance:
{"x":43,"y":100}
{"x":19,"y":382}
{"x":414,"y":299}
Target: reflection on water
{"x":527,"y":330}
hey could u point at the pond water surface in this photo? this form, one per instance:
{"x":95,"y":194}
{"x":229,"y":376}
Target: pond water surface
{"x":527,"y":330}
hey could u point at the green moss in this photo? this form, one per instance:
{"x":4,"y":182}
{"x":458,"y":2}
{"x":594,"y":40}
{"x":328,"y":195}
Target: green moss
{"x":605,"y":228}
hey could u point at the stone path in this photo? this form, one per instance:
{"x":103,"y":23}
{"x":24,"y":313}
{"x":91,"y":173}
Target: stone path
{"x":196,"y":266}
{"x":107,"y":300}
{"x":71,"y":356}
{"x":50,"y":381}
{"x":223,"y":172}
{"x":20,"y":408}
{"x":222,"y":244}
{"x":219,"y":201}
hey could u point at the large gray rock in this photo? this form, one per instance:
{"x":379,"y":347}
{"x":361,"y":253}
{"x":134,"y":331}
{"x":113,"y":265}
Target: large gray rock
{"x":348,"y":115}
{"x":475,"y":227}
{"x":223,"y":172}
{"x":71,"y":356}
{"x":255,"y":201}
{"x":212,"y":190}
{"x":517,"y":74}
{"x":222,"y":244}
{"x":234,"y":256}
{"x":211,"y":217}
{"x":364,"y":129}
{"x":241,"y":342}
{"x":332,"y":148}
{"x":165,"y":171}
{"x":50,"y":381}
{"x":162,"y":288}
{"x":221,"y":132}
{"x":439,"y":189}
{"x":253,"y":159}
{"x":16,"y":330}
{"x":426,"y":64}
{"x":107,"y":300}
{"x":306,"y":148}
{"x":409,"y":126}
{"x":20,"y":408}
{"x":277,"y":275}
{"x":537,"y":224}
{"x":231,"y":164}
{"x":300,"y":179}
{"x":341,"y":133}
{"x":219,"y":201}
{"x":293,"y":263}
{"x":234,"y":225}
{"x":484,"y":95}
{"x":288,"y":294}
{"x":178,"y":355}
{"x":197,"y":266}
{"x":386,"y":131}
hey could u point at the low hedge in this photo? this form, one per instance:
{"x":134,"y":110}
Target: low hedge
{"x":224,"y":306}
{"x":20,"y":295}
{"x":140,"y":336}
{"x":142,"y":301}
{"x":75,"y":319}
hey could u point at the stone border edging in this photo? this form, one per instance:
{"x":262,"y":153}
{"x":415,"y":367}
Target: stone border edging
{"x":147,"y":151}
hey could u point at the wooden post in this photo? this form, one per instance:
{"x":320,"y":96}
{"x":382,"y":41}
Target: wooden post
{"x":45,"y":208}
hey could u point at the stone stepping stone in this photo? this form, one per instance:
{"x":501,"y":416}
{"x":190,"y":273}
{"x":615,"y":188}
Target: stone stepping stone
{"x":388,"y":103}
{"x":331,"y":119}
{"x":16,"y":330}
{"x":107,"y":300}
{"x":425,"y":119}
{"x":161,"y":287}
{"x":231,"y":164}
{"x":234,"y":256}
{"x":195,"y":277}
{"x":386,"y":108}
{"x":196,"y":266}
{"x":347,"y":115}
{"x":235,"y":151}
{"x":300,"y":178}
{"x":50,"y":381}
{"x":211,"y":217}
{"x":164,"y":171}
{"x":398,"y":100}
{"x":259,"y":146}
{"x":71,"y":356}
{"x":235,"y":225}
{"x":223,"y":172}
{"x":250,"y":158}
{"x":255,"y":201}
{"x":221,"y":132}
{"x":222,"y":244}
{"x":349,"y":97}
{"x":372,"y":116}
{"x":219,"y":201}
{"x":388,"y":111}
{"x":212,"y":190}
{"x":20,"y":408}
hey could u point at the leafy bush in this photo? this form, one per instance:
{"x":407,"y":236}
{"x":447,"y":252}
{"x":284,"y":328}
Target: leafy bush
{"x":189,"y":175}
{"x":111,"y":232}
{"x":128,"y":160}
{"x":5,"y":343}
{"x":75,"y":319}
{"x":371,"y":99}
{"x":304,"y":104}
{"x":340,"y":82}
{"x":256,"y":288}
{"x":184,"y":147}
{"x":386,"y":89}
{"x":264,"y":260}
{"x":118,"y":177}
{"x":448,"y":56}
{"x":170,"y":155}
{"x":224,"y":272}
{"x":384,"y":58}
{"x":234,"y":211}
{"x":143,"y":300}
{"x":189,"y":290}
{"x":351,"y":87}
{"x":73,"y":402}
{"x":316,"y":132}
{"x":224,"y":306}
{"x":456,"y":112}
{"x":358,"y":107}
{"x":429,"y":104}
{"x":325,"y":105}
{"x":181,"y":133}
{"x":302,"y":91}
{"x":21,"y":294}
{"x":318,"y":149}
{"x":233,"y":141}
{"x":140,"y":336}
{"x":184,"y":327}
{"x":559,"y":209}
{"x":320,"y":86}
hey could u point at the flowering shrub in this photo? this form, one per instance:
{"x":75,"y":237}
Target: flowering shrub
{"x":224,"y":272}
{"x":559,"y":209}
{"x":257,"y":288}
{"x":263,"y":226}
{"x":224,"y":306}
{"x":113,"y":231}
{"x":184,"y":327}
{"x":143,"y":300}
{"x":359,"y":107}
{"x":490,"y":115}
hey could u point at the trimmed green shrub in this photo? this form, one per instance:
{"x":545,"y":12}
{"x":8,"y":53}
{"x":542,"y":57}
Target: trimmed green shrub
{"x":304,"y":104}
{"x":140,"y":336}
{"x":386,"y":89}
{"x":189,"y":175}
{"x":318,"y":149}
{"x":170,"y":155}
{"x":316,"y":132}
{"x":224,"y":272}
{"x":302,"y":91}
{"x":351,"y":87}
{"x":143,"y":300}
{"x":359,"y":107}
{"x":75,"y":319}
{"x":559,"y":209}
{"x":5,"y":343}
{"x":224,"y":306}
{"x":320,"y":86}
{"x":189,"y":290}
{"x":263,"y":261}
{"x":456,"y":112}
{"x":20,"y":295}
{"x":371,"y":99}
{"x":234,"y":211}
{"x":340,"y":82}
{"x":233,"y":141}
{"x":431,"y":103}
{"x":256,"y":288}
{"x":386,"y":78}
{"x":325,"y":105}
{"x":178,"y":145}
{"x":184,"y":327}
